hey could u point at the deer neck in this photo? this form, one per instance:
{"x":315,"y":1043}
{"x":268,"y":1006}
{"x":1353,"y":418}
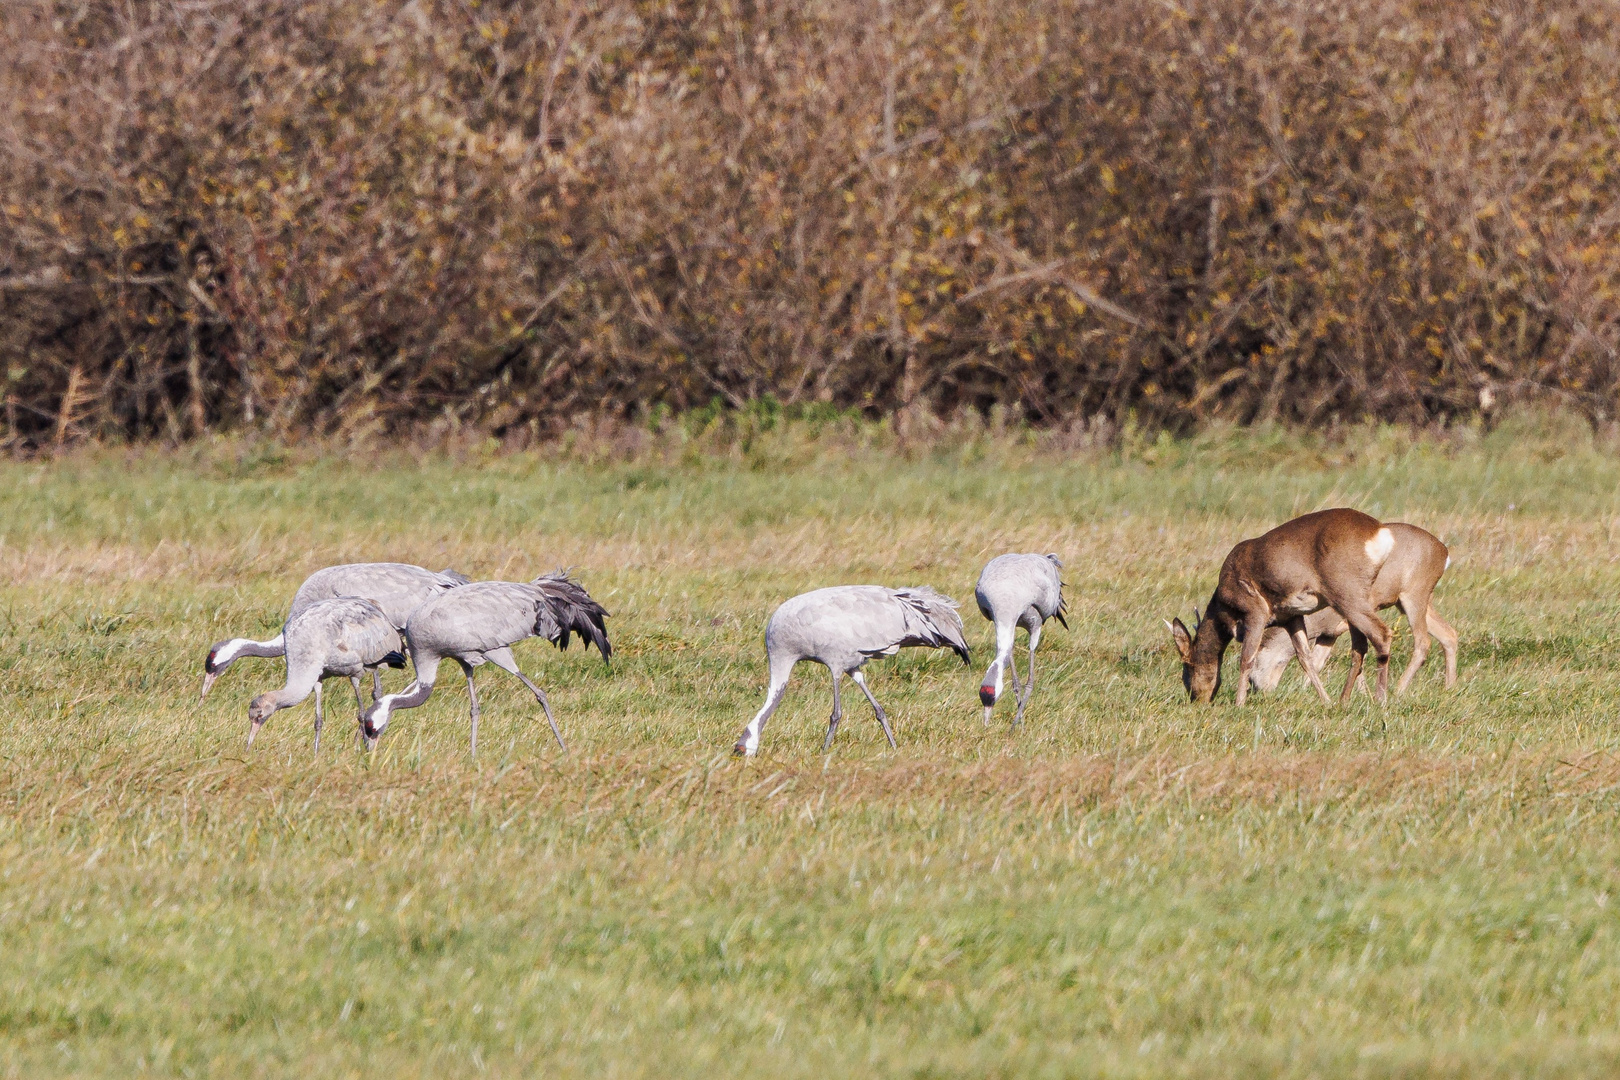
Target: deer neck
{"x":1209,"y":643}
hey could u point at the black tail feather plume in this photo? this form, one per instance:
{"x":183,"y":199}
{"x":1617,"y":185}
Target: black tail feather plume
{"x":1063,"y":603}
{"x":395,"y":659}
{"x":575,"y":613}
{"x":933,"y":621}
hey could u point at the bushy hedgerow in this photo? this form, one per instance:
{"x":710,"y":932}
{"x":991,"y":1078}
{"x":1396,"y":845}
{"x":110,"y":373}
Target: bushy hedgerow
{"x":355,"y":218}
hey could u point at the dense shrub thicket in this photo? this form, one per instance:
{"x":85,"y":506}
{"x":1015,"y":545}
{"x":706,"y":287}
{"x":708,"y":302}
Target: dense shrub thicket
{"x":360,"y":217}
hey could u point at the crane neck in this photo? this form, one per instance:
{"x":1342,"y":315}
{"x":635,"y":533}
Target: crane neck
{"x":409,"y":698}
{"x":223,"y":654}
{"x":300,"y":684}
{"x":1006,"y":633}
{"x":990,"y":686}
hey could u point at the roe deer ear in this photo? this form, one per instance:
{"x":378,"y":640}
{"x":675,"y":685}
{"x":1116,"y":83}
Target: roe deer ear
{"x":1183,"y":640}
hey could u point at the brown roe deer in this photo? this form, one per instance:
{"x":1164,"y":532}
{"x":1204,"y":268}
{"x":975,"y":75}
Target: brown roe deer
{"x":1407,"y":578}
{"x":1327,"y":559}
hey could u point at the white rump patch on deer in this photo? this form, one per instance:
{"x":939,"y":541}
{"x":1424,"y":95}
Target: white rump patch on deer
{"x":1379,"y":547}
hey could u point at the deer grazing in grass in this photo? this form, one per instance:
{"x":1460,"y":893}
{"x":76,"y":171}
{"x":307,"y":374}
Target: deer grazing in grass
{"x":1408,"y":578}
{"x":1327,"y":559}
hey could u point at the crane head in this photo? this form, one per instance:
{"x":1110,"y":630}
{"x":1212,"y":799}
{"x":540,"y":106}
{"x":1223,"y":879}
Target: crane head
{"x":260,"y":709}
{"x":374,"y":721}
{"x":211,"y":669}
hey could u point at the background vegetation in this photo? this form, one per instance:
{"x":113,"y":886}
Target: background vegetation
{"x":354,"y":218}
{"x":1127,"y":886}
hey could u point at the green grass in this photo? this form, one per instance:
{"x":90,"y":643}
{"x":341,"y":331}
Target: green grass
{"x":1127,"y":886}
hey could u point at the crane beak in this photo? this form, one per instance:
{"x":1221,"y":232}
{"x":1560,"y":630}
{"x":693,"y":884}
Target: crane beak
{"x":208,"y":683}
{"x":253,"y":731}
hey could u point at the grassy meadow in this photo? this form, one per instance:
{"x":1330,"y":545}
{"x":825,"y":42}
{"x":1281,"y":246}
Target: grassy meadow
{"x":1126,"y":886}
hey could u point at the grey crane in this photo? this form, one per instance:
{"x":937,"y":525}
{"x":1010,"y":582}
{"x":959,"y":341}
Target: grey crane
{"x":843,"y":627}
{"x":344,"y":636}
{"x":1013,"y":591}
{"x":482,"y":621}
{"x":397,"y":588}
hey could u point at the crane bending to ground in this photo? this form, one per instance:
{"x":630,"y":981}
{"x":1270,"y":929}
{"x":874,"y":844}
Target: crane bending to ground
{"x":482,"y":621}
{"x":345,"y":636}
{"x":1013,"y":591}
{"x":397,"y":588}
{"x":843,"y":627}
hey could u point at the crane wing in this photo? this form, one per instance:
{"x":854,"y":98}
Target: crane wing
{"x":344,"y":625}
{"x":476,"y":618}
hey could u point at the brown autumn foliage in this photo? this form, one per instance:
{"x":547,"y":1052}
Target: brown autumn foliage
{"x":358,"y":217}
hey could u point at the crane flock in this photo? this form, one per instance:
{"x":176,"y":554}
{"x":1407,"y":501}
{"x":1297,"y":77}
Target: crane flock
{"x":1285,"y":595}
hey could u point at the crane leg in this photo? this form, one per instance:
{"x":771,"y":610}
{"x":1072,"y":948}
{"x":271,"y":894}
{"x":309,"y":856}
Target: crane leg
{"x":1029,"y":680}
{"x":503,"y":659}
{"x":472,"y":696}
{"x":545,"y":706}
{"x":860,"y":681}
{"x":376,"y":688}
{"x":318,"y":718}
{"x":359,"y":705}
{"x":837,"y":714}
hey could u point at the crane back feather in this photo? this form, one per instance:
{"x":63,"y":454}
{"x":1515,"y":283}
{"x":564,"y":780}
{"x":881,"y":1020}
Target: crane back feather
{"x":931,"y":620}
{"x":1011,"y":584}
{"x":397,"y":588}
